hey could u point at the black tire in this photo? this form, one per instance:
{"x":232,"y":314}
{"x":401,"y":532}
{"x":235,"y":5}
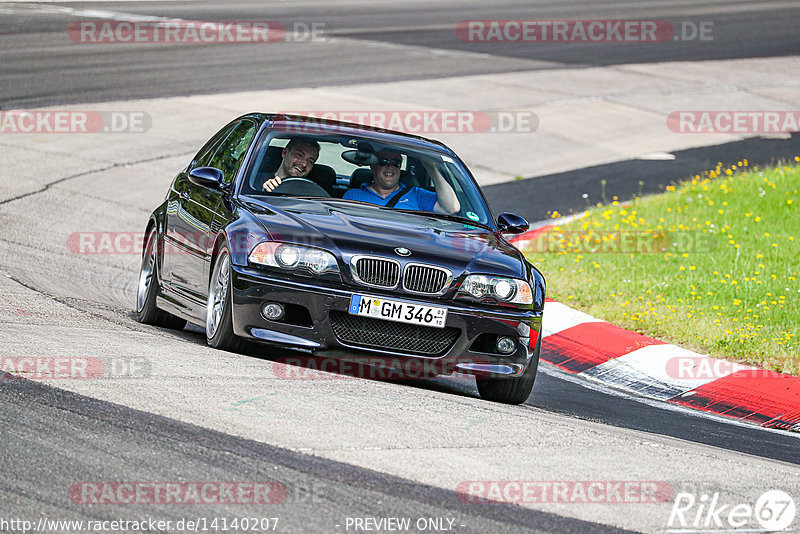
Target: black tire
{"x":514,"y":390}
{"x":147,"y":289}
{"x":219,"y":320}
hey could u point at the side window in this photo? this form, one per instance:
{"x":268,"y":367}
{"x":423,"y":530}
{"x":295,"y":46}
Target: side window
{"x":204,"y":156}
{"x":230,"y":153}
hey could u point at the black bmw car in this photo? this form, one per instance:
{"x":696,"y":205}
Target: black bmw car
{"x":308,"y":266}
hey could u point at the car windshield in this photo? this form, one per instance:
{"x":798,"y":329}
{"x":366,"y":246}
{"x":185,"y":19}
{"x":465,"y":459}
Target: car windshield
{"x":347,"y":163}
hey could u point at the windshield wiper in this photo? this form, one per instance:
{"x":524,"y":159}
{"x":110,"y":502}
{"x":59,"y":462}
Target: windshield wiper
{"x":285,"y":195}
{"x":454,"y":218}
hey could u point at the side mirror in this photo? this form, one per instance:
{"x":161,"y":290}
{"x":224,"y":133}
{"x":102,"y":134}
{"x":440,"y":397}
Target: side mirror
{"x":207,"y":177}
{"x":511,"y":223}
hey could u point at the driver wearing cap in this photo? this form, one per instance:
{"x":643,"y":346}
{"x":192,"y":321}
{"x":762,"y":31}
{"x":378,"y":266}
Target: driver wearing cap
{"x":385,"y":188}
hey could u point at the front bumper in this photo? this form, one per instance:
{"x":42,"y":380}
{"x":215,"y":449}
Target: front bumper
{"x":251,"y":288}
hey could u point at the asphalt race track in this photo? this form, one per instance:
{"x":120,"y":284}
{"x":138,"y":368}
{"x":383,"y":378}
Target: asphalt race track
{"x":336,"y":448}
{"x":39,"y":68}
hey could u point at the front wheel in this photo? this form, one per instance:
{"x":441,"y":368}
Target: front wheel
{"x":219,"y":319}
{"x":514,"y":390}
{"x":146,"y":310}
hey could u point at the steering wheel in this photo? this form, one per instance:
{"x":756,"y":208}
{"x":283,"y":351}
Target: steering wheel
{"x":301,"y":187}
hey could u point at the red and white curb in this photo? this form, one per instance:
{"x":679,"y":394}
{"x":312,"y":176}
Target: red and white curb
{"x":584,"y":345}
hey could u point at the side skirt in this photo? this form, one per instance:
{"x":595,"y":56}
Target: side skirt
{"x":192,"y":310}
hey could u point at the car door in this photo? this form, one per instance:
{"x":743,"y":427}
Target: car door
{"x":189,"y":224}
{"x":176,"y":250}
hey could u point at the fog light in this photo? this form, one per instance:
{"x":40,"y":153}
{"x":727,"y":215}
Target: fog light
{"x":505,"y":345}
{"x":272,"y":311}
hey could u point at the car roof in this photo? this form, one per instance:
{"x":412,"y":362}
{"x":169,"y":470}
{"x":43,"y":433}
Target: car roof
{"x":300,"y":124}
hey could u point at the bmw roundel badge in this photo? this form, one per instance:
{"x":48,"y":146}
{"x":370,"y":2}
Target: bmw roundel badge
{"x":402,"y":251}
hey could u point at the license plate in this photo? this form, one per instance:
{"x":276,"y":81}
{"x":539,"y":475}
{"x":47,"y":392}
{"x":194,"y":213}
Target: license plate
{"x":398,"y":311}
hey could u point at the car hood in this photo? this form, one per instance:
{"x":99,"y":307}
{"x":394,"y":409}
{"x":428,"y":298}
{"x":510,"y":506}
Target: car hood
{"x":349,"y":228}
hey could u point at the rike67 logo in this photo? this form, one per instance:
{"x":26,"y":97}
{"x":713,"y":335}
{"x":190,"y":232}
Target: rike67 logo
{"x":773,"y":511}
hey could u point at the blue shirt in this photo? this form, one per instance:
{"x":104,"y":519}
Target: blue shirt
{"x":416,"y":198}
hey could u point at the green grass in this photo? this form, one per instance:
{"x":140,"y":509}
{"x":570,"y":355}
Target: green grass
{"x":711,"y":265}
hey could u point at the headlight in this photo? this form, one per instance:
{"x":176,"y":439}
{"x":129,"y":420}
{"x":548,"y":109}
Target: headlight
{"x":319,"y":261}
{"x":508,"y":290}
{"x":295,"y":258}
{"x":287,"y":256}
{"x":476,"y":286}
